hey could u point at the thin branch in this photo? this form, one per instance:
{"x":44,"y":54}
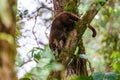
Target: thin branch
{"x":34,"y":28}
{"x":29,"y":60}
{"x":38,"y":43}
{"x":36,"y":11}
{"x":43,"y":6}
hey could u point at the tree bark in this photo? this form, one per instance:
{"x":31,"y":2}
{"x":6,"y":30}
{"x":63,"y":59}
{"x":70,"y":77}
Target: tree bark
{"x":7,"y":40}
{"x":73,"y":63}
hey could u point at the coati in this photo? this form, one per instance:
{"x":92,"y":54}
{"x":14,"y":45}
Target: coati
{"x":61,"y":25}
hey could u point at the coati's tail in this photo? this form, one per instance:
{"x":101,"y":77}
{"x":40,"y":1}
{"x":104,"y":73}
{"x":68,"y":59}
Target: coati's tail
{"x":93,"y":30}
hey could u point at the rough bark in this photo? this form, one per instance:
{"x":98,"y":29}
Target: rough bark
{"x":7,"y":40}
{"x":78,"y":65}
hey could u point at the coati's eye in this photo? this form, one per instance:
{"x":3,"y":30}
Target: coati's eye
{"x":53,"y":47}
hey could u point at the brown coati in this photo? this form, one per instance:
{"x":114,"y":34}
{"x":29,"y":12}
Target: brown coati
{"x":61,"y":25}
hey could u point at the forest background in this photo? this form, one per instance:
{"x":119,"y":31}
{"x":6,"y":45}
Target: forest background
{"x":34,"y":59}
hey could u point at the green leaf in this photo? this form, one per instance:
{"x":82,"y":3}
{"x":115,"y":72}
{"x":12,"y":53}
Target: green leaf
{"x":111,"y":76}
{"x":76,"y":51}
{"x":32,"y":52}
{"x":56,"y":66}
{"x":98,"y":76}
{"x":25,"y":12}
{"x":43,"y":62}
{"x":37,"y":56}
{"x":84,"y":78}
{"x":100,"y":0}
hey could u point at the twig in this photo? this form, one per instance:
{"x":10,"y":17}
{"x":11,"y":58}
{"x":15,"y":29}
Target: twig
{"x":34,"y":28}
{"x":29,"y":60}
{"x":34,"y":32}
{"x":36,"y":11}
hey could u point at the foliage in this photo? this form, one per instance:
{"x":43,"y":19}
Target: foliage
{"x":111,"y":51}
{"x":96,"y":76}
{"x":105,"y":76}
{"x":45,"y":64}
{"x":71,"y":6}
{"x":106,"y":45}
{"x":110,"y":48}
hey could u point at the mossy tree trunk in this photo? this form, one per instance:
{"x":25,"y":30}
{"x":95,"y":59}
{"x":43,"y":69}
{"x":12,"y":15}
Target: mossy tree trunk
{"x":7,"y":39}
{"x":73,"y":63}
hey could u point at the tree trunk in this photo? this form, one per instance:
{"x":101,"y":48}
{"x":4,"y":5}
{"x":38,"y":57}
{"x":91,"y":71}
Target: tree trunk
{"x":7,"y":40}
{"x":73,"y":63}
{"x":78,"y":65}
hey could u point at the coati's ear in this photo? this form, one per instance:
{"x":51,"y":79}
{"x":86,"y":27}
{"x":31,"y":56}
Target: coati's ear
{"x":73,"y":16}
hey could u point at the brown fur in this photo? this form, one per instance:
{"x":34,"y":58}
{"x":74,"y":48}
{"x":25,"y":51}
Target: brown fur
{"x":61,"y":25}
